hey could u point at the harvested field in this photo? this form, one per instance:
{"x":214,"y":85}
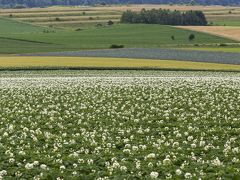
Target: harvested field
{"x":223,"y":31}
{"x":168,"y":54}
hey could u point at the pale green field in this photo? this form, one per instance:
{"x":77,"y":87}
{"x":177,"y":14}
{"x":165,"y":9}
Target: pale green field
{"x":83,"y":62}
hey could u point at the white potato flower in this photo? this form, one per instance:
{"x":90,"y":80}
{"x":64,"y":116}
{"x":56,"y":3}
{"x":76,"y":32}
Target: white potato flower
{"x":178,"y":172}
{"x":43,"y":166}
{"x":29,"y":166}
{"x":188,"y":175}
{"x":154,"y":175}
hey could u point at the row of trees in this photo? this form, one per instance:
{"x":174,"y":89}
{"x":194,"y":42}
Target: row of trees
{"x":39,"y":3}
{"x":165,"y":17}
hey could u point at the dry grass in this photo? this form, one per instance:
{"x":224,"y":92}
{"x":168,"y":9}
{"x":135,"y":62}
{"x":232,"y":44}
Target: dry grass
{"x":223,"y":31}
{"x":35,"y":62}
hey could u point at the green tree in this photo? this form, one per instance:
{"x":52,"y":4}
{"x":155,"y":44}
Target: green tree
{"x":191,"y":37}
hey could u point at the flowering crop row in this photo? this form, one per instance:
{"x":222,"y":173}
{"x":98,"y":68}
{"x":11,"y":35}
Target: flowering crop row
{"x":74,"y":126}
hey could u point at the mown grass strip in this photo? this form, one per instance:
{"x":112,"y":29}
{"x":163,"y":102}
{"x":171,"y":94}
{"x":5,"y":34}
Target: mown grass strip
{"x":107,"y":63}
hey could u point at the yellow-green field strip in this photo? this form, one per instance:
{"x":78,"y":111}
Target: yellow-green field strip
{"x":114,"y":63}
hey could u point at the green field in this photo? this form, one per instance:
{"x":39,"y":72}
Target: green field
{"x":116,"y":118}
{"x":119,"y":125}
{"x":227,"y":23}
{"x":33,"y":38}
{"x":36,"y":30}
{"x":8,"y":26}
{"x":225,"y":19}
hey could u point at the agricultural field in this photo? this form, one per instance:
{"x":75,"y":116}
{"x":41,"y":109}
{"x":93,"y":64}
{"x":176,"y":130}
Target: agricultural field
{"x":143,"y":36}
{"x":196,"y":54}
{"x":216,"y":49}
{"x":88,"y":17}
{"x":221,"y":31}
{"x":119,"y":124}
{"x":82,"y":98}
{"x":57,"y":29}
{"x":20,"y":63}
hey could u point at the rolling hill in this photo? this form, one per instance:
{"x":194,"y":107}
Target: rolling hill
{"x":25,"y":38}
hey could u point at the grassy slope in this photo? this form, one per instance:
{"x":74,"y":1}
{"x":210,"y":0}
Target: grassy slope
{"x":8,"y":26}
{"x":80,"y":62}
{"x":128,"y":35}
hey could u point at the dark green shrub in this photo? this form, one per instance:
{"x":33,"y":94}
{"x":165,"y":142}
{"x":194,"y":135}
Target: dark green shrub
{"x":110,"y":23}
{"x":222,"y":45}
{"x":191,"y":37}
{"x":115,"y":46}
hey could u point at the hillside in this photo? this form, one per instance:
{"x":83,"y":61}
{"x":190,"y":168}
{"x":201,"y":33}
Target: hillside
{"x":35,"y":39}
{"x":38,"y":3}
{"x":11,"y":26}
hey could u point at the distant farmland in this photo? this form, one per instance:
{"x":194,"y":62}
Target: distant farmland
{"x":19,"y":37}
{"x":76,"y":17}
{"x":223,"y":31}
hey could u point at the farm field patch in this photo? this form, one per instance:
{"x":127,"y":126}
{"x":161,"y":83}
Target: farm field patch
{"x":119,"y":124}
{"x":224,"y":20}
{"x":223,"y":31}
{"x":109,"y":63}
{"x":57,"y":15}
{"x":182,"y":54}
{"x":143,"y":36}
{"x":8,"y":26}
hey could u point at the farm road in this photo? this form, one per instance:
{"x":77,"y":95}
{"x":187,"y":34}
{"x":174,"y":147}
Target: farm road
{"x":143,"y":53}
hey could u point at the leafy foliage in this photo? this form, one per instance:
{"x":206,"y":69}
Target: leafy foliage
{"x":119,"y":124}
{"x":191,"y":37}
{"x":164,"y":16}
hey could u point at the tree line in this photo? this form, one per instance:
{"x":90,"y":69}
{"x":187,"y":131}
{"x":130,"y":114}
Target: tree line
{"x":42,"y":3}
{"x":165,"y":17}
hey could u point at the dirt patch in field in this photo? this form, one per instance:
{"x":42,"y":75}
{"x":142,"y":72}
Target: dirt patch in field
{"x":223,"y":31}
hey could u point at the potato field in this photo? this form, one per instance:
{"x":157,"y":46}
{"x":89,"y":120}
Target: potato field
{"x":119,"y":124}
